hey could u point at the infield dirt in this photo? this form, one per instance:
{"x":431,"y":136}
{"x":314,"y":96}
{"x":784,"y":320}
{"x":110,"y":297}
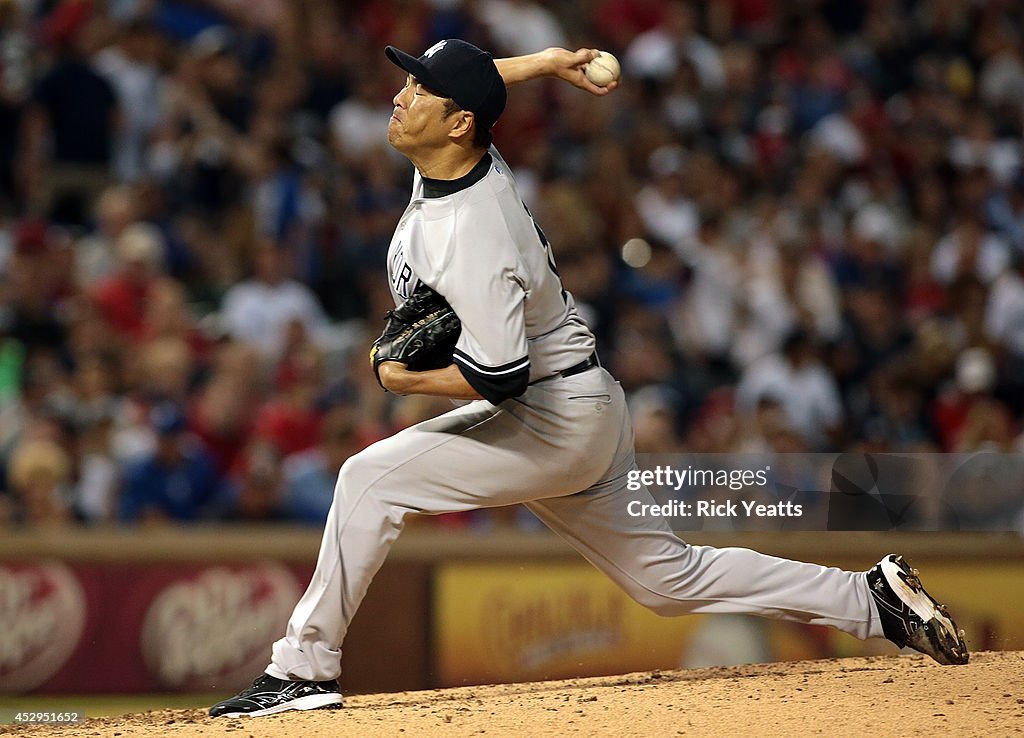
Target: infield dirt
{"x":878,"y":696}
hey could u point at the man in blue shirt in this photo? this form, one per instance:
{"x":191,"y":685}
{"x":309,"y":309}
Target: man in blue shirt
{"x":176,"y":482}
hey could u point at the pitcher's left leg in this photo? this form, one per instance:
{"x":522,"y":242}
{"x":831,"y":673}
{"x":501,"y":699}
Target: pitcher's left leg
{"x":664,"y":573}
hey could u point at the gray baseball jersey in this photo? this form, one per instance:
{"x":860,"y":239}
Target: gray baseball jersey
{"x":553,"y":433}
{"x":475,"y":242}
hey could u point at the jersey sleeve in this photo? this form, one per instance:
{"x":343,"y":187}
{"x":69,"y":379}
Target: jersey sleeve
{"x":491,"y":352}
{"x":479,"y":277}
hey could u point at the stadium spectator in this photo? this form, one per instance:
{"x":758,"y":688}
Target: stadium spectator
{"x":520,"y":26}
{"x":969,"y":250}
{"x":176,"y":482}
{"x":255,"y":487}
{"x":222,"y":412}
{"x":168,"y":316}
{"x":1004,"y":210}
{"x":796,"y":378}
{"x":655,"y":420}
{"x":260,"y":310}
{"x":116,"y":209}
{"x":359,"y":122}
{"x":961,"y":401}
{"x":664,"y":207}
{"x":15,"y":89}
{"x":37,"y":283}
{"x":122,"y":297}
{"x":310,"y":476}
{"x":656,"y":53}
{"x":98,"y":478}
{"x":1004,"y":327}
{"x":131,"y":67}
{"x":38,"y":474}
{"x":75,"y":108}
{"x":291,"y":422}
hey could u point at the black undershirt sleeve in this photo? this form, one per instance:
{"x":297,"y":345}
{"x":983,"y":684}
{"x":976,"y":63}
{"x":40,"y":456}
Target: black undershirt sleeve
{"x":495,"y":384}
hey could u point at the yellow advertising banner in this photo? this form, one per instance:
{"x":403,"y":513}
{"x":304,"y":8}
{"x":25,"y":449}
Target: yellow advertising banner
{"x":509,"y":622}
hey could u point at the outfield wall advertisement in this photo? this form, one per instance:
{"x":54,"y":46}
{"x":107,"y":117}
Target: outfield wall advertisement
{"x":512,"y":622}
{"x":123,"y":628}
{"x":80,"y":625}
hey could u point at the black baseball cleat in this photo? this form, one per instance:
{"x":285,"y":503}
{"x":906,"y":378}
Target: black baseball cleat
{"x":268,"y":695}
{"x":912,"y":617}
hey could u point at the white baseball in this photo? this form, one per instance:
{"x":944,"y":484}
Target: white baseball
{"x":603,"y":70}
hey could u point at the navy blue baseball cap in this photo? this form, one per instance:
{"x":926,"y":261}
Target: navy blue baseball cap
{"x":457,"y":69}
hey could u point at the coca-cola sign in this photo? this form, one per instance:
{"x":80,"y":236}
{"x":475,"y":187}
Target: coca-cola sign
{"x":214,"y":629}
{"x":42,"y":614}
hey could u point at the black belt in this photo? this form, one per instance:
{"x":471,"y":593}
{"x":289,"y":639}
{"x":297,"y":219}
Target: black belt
{"x":588,"y":363}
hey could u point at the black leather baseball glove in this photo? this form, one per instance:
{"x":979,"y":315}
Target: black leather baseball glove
{"x":420,"y":333}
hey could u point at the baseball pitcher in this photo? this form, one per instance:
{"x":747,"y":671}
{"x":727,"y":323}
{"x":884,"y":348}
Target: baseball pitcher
{"x":547,"y":425}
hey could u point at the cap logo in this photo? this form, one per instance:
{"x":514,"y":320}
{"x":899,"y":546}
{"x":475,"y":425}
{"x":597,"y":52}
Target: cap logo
{"x":435,"y":48}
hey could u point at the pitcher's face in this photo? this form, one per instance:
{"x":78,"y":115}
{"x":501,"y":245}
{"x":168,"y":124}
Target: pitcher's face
{"x":418,"y":121}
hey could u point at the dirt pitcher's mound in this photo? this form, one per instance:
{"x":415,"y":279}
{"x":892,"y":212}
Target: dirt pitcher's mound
{"x":892,"y":695}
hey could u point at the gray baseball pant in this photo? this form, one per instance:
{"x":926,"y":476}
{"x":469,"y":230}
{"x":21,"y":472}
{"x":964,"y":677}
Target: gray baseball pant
{"x":562,"y":436}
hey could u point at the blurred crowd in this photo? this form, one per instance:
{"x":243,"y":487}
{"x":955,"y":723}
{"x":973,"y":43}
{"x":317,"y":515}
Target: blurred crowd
{"x":797,"y":226}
